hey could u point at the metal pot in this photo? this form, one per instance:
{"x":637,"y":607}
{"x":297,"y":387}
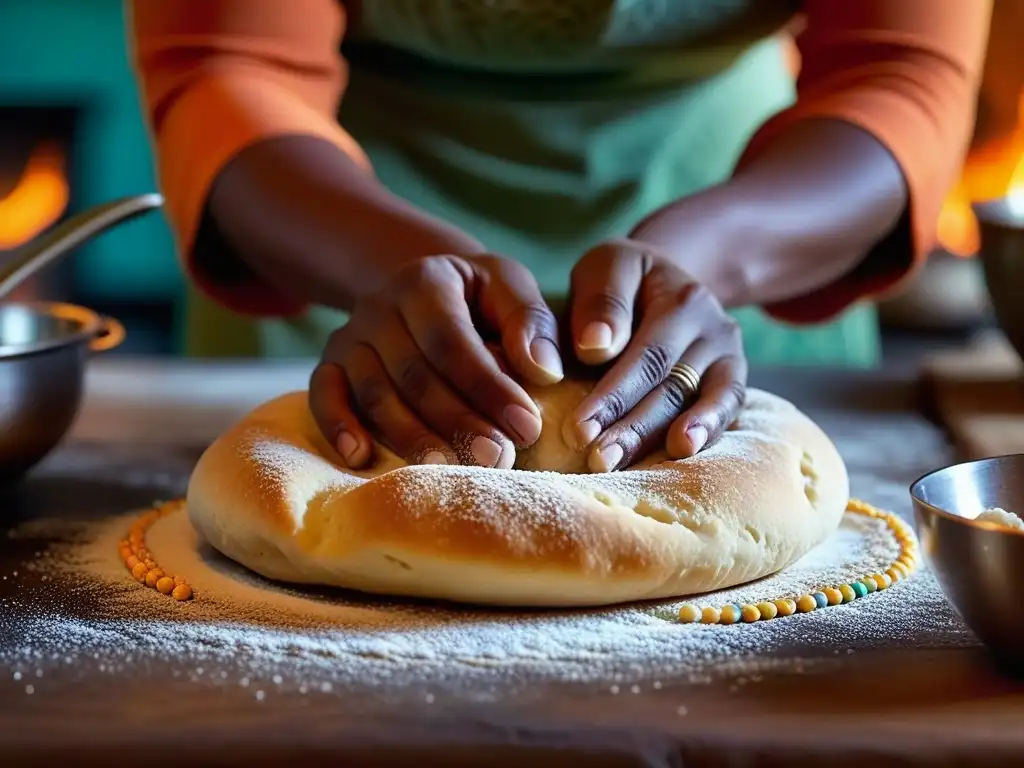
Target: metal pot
{"x":44,"y":348}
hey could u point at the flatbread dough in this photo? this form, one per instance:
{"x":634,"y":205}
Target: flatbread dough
{"x":271,"y":494}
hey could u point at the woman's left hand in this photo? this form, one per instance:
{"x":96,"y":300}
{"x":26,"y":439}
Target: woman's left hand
{"x":631,"y":304}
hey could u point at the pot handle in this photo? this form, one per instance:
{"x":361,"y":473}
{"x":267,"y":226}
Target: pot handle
{"x":110,"y":335}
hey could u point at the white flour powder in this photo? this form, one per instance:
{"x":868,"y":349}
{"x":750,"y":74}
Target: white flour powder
{"x":998,"y":516}
{"x":241,"y":630}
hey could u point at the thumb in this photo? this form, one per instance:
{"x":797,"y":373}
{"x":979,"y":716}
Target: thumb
{"x":511,"y":302}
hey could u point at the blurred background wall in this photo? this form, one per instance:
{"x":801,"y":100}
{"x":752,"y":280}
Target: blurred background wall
{"x":71,"y":135}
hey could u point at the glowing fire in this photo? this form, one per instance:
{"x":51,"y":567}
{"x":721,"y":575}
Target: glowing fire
{"x":1015,"y":196}
{"x":38,"y":198}
{"x":992,"y":171}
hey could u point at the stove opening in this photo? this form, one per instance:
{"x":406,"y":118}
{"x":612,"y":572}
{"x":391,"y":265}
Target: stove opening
{"x":35,"y":148}
{"x":35,"y":162}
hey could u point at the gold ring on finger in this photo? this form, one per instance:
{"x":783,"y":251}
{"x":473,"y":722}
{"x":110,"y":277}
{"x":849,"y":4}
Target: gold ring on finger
{"x":687,"y":377}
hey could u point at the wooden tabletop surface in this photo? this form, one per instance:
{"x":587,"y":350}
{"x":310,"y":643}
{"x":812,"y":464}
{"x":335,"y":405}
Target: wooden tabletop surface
{"x":145,"y":422}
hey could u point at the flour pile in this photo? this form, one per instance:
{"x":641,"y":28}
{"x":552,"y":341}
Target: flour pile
{"x":1000,"y":517}
{"x":240,"y":628}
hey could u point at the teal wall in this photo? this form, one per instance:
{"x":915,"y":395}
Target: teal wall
{"x":72,"y":52}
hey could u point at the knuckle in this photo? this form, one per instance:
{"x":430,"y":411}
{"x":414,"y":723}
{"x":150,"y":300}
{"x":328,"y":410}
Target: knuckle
{"x":655,"y":362}
{"x":441,"y":345}
{"x":537,"y":317}
{"x":678,"y":396}
{"x":418,"y":272}
{"x":414,"y":378}
{"x":613,"y":407}
{"x":737,"y":392}
{"x":694,"y":293}
{"x":372,"y":392}
{"x":637,"y":433}
{"x":606,"y":303}
{"x":729,"y":330}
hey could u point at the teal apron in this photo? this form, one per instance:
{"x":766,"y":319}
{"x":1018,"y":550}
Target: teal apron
{"x":542,"y":167}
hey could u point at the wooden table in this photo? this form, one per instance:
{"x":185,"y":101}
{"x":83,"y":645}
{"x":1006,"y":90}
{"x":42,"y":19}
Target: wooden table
{"x":145,"y":422}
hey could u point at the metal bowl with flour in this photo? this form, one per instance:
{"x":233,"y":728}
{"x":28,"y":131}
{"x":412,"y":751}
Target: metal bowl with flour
{"x":45,"y":347}
{"x":979,"y":565}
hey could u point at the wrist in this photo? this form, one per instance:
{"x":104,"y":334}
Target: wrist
{"x":706,"y":235}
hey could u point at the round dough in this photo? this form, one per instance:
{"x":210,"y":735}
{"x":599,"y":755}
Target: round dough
{"x":551,"y":453}
{"x":270,"y":494}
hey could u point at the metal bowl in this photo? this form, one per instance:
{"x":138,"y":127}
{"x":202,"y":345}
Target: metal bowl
{"x":1002,"y":260}
{"x":979,"y":565}
{"x":44,"y":348}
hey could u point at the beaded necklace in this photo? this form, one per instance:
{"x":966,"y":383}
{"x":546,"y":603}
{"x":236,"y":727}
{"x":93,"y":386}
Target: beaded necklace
{"x":825,"y":596}
{"x":144,"y":569}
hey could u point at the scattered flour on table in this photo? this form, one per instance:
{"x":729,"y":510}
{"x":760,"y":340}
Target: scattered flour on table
{"x":999,"y":516}
{"x":325,"y":640}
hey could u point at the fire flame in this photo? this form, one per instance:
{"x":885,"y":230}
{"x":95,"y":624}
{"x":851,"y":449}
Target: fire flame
{"x":992,"y":171}
{"x":38,"y":199}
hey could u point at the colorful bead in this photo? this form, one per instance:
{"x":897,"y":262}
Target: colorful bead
{"x":730,"y":614}
{"x":786,"y":606}
{"x":689,"y":613}
{"x":897,"y":571}
{"x":806,"y":603}
{"x":709,"y":615}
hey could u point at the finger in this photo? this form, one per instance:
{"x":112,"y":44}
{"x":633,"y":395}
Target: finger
{"x":644,"y":428}
{"x":605,"y":284}
{"x":426,"y":394}
{"x":511,"y":302}
{"x":657,"y":345}
{"x":641,"y":431}
{"x":722,"y":393}
{"x":499,"y":357}
{"x":331,"y":405}
{"x":440,"y":323}
{"x":395,"y":425}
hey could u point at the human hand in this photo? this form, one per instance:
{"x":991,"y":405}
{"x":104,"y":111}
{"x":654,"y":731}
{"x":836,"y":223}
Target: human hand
{"x":412,"y":365}
{"x":637,"y":406}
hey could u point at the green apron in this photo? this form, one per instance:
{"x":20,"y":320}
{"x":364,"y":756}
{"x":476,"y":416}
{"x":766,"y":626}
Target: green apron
{"x":542,"y":167}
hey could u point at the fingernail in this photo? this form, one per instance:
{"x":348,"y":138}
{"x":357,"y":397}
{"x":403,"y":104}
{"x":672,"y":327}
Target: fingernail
{"x":698,"y":436}
{"x":579,"y":436}
{"x":546,"y":355}
{"x":596,"y":336}
{"x":523,"y":423}
{"x":347,"y":445}
{"x":435,"y":457}
{"x":606,"y":459}
{"x":486,"y":452}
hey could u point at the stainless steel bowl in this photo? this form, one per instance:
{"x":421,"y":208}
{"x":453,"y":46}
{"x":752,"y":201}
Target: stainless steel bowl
{"x":43,"y":353}
{"x":1002,"y":258}
{"x":979,"y":565}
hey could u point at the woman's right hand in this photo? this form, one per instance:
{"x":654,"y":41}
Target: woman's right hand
{"x":413,"y":366}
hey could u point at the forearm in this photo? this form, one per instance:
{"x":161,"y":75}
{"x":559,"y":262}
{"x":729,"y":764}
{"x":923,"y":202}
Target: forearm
{"x":301,"y":215}
{"x":805,"y":212}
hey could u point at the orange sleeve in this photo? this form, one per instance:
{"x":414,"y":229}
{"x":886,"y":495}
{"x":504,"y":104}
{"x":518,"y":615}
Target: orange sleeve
{"x":906,"y":71}
{"x":219,"y":75}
